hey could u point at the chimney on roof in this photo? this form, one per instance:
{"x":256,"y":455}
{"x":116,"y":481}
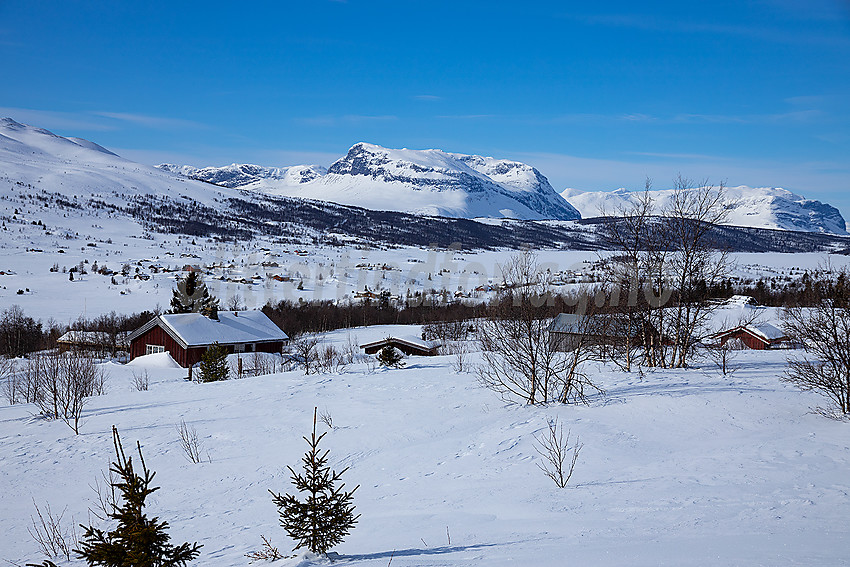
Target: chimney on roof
{"x":236,"y":314}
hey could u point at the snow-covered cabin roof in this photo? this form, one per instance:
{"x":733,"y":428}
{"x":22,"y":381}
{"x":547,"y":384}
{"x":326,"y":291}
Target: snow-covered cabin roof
{"x":410,"y":340}
{"x":763,"y":331}
{"x":573,"y":323}
{"x":232,"y":327}
{"x":91,"y":338}
{"x":565,"y":323}
{"x":741,"y":300}
{"x":766,"y":331}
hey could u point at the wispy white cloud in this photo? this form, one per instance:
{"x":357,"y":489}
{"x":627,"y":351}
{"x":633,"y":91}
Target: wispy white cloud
{"x":782,"y":117}
{"x":655,"y":23}
{"x":428,"y":97}
{"x":637,"y":117}
{"x":217,"y":157}
{"x":157,"y":122}
{"x":469,"y":116}
{"x":572,"y":118}
{"x":350,"y":119}
{"x":674,"y":155}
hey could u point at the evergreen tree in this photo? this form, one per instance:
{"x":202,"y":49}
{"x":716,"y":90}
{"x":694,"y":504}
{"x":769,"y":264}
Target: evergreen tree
{"x":213,"y":365}
{"x":137,"y":541}
{"x":326,"y":515}
{"x":391,"y":357}
{"x":192,"y":296}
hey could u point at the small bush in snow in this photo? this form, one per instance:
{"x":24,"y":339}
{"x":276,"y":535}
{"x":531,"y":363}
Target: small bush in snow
{"x":53,"y":539}
{"x":189,"y":442}
{"x":559,"y":457}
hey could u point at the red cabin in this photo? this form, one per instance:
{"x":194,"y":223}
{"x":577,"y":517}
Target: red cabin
{"x":186,"y":336}
{"x":760,"y":336}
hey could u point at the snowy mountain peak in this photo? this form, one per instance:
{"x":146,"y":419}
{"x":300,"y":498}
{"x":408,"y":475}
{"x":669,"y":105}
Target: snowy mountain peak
{"x":435,"y":182}
{"x":241,"y":175}
{"x":430,"y":182}
{"x":760,"y":207}
{"x":48,"y":141}
{"x":11,"y":124}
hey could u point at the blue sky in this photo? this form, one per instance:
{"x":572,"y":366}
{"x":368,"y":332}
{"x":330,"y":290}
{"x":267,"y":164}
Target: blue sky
{"x":595,"y":96}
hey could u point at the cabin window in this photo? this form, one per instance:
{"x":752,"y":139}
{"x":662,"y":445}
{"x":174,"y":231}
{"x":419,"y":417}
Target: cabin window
{"x":153,"y":349}
{"x":244,"y":347}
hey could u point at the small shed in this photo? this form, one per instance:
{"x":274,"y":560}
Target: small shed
{"x":757,"y":336}
{"x":186,"y":336}
{"x":410,"y":346}
{"x":569,"y":330}
{"x":92,"y":341}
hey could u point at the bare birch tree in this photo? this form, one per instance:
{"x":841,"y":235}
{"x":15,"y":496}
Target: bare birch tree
{"x":697,"y":263}
{"x":64,"y":382}
{"x":824,"y":333}
{"x":666,"y":259}
{"x":520,"y":360}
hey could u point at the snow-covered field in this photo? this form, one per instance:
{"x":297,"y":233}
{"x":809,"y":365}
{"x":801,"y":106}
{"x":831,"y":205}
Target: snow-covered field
{"x":678,"y":467}
{"x":262,"y":270}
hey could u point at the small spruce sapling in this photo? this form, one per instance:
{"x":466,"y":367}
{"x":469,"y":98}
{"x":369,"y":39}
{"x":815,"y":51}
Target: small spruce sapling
{"x":213,"y":366}
{"x":137,"y":541}
{"x":326,"y":514}
{"x":391,"y":357}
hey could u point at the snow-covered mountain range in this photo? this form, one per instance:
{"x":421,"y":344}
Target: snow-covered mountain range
{"x":428,"y":182}
{"x":759,"y":207}
{"x":423,"y":182}
{"x":433,"y":182}
{"x":246,"y":175}
{"x":56,"y":187}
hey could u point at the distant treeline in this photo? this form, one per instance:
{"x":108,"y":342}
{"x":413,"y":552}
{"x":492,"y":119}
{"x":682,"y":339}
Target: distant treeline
{"x":21,"y":334}
{"x":806,"y":291}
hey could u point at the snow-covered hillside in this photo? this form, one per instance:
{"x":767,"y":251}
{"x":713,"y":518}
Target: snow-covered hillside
{"x":678,"y":467}
{"x":429,"y":182}
{"x":760,"y":207}
{"x":77,"y":168}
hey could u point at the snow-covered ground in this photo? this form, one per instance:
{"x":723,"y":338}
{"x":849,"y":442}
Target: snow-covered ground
{"x":678,"y":467}
{"x":248,"y":272}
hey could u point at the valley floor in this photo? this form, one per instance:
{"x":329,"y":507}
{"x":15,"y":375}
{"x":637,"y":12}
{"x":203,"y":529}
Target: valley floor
{"x":678,"y":467}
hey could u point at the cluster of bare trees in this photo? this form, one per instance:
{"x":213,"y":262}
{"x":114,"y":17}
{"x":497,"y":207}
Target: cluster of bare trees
{"x":444,"y":331}
{"x":665,"y":264}
{"x":314,"y":356}
{"x":824,"y":333}
{"x":59,"y":384}
{"x":652,"y":311}
{"x":520,"y":362}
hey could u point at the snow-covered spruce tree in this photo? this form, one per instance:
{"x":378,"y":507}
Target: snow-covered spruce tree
{"x":326,"y":514}
{"x":192,"y":296}
{"x":137,"y":541}
{"x":391,"y":357}
{"x":213,"y":366}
